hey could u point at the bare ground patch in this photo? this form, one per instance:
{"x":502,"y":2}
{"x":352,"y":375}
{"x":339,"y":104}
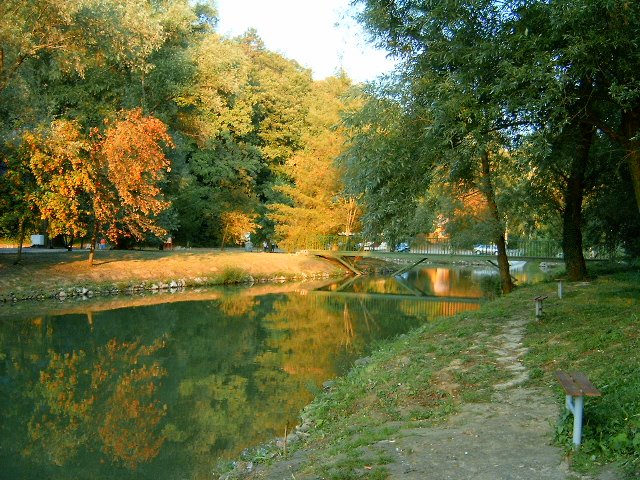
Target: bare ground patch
{"x":50,"y":271}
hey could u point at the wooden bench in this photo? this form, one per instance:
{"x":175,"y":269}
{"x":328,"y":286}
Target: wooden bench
{"x":576,"y":386}
{"x":539,"y":299}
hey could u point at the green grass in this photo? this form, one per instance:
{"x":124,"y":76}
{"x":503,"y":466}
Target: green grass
{"x":231,"y":275}
{"x":595,"y":329}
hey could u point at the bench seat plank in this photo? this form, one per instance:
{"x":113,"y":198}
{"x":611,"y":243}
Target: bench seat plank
{"x":577,"y":384}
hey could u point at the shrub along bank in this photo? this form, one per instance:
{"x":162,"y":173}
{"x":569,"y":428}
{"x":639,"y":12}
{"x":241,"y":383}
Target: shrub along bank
{"x":594,"y":328}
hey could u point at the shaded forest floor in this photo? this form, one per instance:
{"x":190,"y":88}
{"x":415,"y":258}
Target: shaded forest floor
{"x":474,"y":397}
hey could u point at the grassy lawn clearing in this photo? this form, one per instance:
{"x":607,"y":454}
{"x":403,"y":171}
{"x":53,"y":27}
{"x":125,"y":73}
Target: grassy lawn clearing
{"x":596,"y":329}
{"x":52,"y":271}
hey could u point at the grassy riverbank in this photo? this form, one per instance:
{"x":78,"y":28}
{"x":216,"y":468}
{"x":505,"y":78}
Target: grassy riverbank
{"x":596,"y":330}
{"x":47,"y":273}
{"x":425,"y":376}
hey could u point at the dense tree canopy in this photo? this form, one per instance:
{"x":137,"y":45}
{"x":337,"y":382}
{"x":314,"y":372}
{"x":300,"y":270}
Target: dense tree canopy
{"x":505,"y":121}
{"x":499,"y":90}
{"x":229,"y":117}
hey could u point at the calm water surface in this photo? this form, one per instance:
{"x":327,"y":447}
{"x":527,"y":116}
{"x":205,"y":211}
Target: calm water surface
{"x":166,"y":390}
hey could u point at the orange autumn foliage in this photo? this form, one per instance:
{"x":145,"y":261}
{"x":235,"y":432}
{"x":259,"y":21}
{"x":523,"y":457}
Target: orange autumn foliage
{"x":110,"y":405}
{"x":131,"y":156}
{"x":59,"y":160}
{"x":108,"y":179}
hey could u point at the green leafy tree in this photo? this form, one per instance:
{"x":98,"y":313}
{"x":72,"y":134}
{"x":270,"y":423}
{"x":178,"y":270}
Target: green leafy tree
{"x":220,"y":178}
{"x":247,"y":111}
{"x":74,"y":33}
{"x":221,"y":165}
{"x":569,"y":71}
{"x":484,"y":77}
{"x":383,"y":164}
{"x":279,"y":89}
{"x":450,"y":52}
{"x":17,"y":207}
{"x":598,"y":46}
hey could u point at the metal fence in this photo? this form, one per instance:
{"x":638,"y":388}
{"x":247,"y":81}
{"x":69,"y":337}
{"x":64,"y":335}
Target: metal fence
{"x":442,"y":246}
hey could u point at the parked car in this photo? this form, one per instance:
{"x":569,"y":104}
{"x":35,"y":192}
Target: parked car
{"x":371,"y":246}
{"x":485,"y":250}
{"x":402,"y":247}
{"x":382,"y":247}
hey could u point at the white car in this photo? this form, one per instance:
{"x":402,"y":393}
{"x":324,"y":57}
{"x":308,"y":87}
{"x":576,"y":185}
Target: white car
{"x":382,"y":247}
{"x":371,"y":246}
{"x":368,"y":246}
{"x":485,"y":250}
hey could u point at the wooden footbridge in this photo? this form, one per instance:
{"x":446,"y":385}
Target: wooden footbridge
{"x":343,"y":259}
{"x":346,"y":258}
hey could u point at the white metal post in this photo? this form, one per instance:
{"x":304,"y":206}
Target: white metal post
{"x":538,"y":308}
{"x":578,"y":405}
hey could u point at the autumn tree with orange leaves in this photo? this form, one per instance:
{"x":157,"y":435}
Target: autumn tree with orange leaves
{"x":106,"y":182}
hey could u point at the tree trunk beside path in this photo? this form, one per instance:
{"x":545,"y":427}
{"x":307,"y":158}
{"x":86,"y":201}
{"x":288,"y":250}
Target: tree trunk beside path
{"x":489,"y":193}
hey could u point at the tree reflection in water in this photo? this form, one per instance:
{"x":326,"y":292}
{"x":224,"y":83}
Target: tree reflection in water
{"x":168,"y":390}
{"x":106,"y":401}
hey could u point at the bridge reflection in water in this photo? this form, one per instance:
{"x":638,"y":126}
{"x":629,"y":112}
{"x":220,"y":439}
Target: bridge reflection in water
{"x":391,"y":304}
{"x":426,"y":293}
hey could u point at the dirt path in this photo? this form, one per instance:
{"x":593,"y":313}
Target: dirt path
{"x":506,"y":439}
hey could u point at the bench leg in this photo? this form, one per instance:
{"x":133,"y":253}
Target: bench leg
{"x":538,"y":308}
{"x":576,"y":406}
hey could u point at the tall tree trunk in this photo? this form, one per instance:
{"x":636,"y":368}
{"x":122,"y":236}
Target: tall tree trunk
{"x":20,"y":241}
{"x":224,"y":237}
{"x":92,"y":247}
{"x":630,"y":131}
{"x":352,"y":210}
{"x":633,"y":158}
{"x":572,"y":216}
{"x":499,"y":236}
